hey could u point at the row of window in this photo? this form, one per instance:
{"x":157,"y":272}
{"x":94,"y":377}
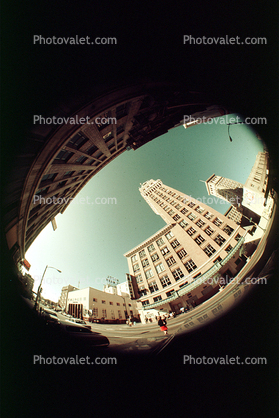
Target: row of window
{"x":111,"y":303}
{"x":104,"y":313}
{"x":151,"y":247}
{"x":208,"y":215}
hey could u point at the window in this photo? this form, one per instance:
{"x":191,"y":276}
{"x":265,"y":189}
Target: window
{"x":179,"y":198}
{"x":81,"y":159}
{"x":182,"y":253}
{"x":199,"y":209}
{"x":142,"y":292}
{"x":61,"y":184}
{"x":184,"y":211}
{"x":119,"y":315}
{"x":122,"y":110}
{"x":191,"y":216}
{"x":91,"y":150}
{"x":191,"y":231}
{"x":208,"y":215}
{"x":111,"y":303}
{"x":103,"y":301}
{"x":165,"y":250}
{"x":160,"y":267}
{"x":220,"y":240}
{"x":238,"y":261}
{"x":175,"y":243}
{"x":52,"y":176}
{"x":134,"y":258}
{"x":136,"y":267}
{"x":149,"y":274}
{"x":107,"y":136}
{"x":190,"y":266}
{"x":199,"y":240}
{"x":209,"y":250}
{"x":169,"y":235}
{"x":165,"y":281}
{"x":191,"y":204}
{"x":160,"y":242}
{"x":183,"y":223}
{"x":77,"y":141}
{"x":171,"y":292}
{"x":209,"y":231}
{"x":157,"y":298}
{"x":153,"y":286}
{"x":229,"y":248}
{"x":104,"y":313}
{"x":117,"y":303}
{"x":142,"y":254}
{"x":217,"y":260}
{"x":237,"y":237}
{"x":178,"y":206}
{"x":95,"y":300}
{"x":177,"y":274}
{"x":112,"y":314}
{"x":228,"y":230}
{"x":200,"y":223}
{"x":171,"y":212}
{"x":151,"y":248}
{"x":155,"y":257}
{"x":145,"y":302}
{"x":145,"y":262}
{"x":95,"y":312}
{"x":176,"y":217}
{"x":170,"y":261}
{"x":64,"y":156}
{"x":217,"y":222}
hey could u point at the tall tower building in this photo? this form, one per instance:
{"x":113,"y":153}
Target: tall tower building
{"x":226,"y":189}
{"x":183,"y":262}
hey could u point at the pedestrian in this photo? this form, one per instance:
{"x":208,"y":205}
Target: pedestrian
{"x":146,"y":320}
{"x":163,"y":325}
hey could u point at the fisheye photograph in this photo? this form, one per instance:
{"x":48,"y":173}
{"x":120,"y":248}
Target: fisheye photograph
{"x":139,"y":210}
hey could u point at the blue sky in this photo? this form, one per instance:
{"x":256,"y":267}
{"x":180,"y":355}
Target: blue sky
{"x":91,"y":237}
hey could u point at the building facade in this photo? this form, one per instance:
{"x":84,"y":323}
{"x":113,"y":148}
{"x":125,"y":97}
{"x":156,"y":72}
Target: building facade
{"x":64,"y":150}
{"x":63,"y":300}
{"x":184,"y":262}
{"x":226,"y":189}
{"x":100,"y":305}
{"x":248,"y":199}
{"x":255,"y":187}
{"x":234,"y":214}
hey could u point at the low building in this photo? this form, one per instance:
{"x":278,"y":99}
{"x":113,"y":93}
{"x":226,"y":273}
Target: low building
{"x":99,"y":305}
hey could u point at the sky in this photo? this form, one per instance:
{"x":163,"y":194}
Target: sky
{"x":109,"y":217}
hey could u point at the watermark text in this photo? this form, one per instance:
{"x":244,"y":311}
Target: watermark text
{"x":75,"y":360}
{"x":223,"y":40}
{"x":189,"y":359}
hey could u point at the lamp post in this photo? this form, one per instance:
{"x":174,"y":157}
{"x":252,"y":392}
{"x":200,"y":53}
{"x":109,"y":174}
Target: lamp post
{"x":233,"y":123}
{"x":40,"y":285}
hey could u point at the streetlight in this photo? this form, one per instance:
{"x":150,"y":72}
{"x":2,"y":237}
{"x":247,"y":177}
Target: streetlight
{"x":40,"y":285}
{"x":233,"y":123}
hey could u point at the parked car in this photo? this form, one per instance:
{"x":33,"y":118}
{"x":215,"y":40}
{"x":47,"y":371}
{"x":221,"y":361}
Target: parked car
{"x":83,"y":336}
{"x":79,"y":321}
{"x":48,"y":316}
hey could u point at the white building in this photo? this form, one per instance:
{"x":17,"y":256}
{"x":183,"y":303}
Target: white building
{"x":101,"y":305}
